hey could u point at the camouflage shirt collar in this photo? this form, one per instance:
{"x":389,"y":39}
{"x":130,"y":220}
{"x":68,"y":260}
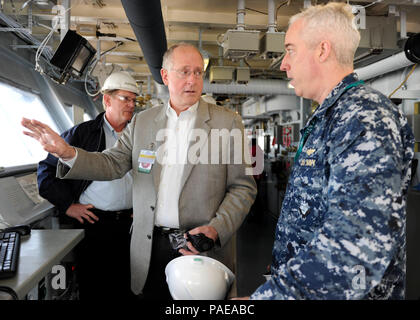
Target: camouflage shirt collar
{"x":333,"y":96}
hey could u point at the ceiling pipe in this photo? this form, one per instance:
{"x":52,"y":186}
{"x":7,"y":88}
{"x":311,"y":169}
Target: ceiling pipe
{"x":395,"y":62}
{"x":66,"y":23}
{"x":253,"y":87}
{"x":220,"y":60}
{"x":145,"y":17}
{"x":240,"y":15}
{"x":271,"y":16}
{"x":403,"y":24}
{"x":409,"y":56}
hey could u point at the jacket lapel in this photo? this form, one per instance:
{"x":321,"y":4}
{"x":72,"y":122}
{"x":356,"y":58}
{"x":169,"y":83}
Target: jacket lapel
{"x":159,"y":123}
{"x":203,"y":116}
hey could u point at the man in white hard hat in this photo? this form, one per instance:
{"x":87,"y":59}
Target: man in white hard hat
{"x":102,"y":208}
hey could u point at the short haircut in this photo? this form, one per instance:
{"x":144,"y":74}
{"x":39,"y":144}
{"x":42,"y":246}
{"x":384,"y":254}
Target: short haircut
{"x":335,"y":22}
{"x":167,"y":57}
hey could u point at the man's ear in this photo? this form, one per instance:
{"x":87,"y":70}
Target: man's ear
{"x":107,"y":99}
{"x":324,"y":50}
{"x":164,"y":76}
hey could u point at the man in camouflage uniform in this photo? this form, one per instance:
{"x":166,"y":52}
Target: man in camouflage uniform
{"x":341,"y":231}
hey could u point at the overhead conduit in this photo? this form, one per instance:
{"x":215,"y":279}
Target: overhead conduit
{"x":409,"y":56}
{"x":253,"y":87}
{"x":146,"y":19}
{"x":395,"y":62}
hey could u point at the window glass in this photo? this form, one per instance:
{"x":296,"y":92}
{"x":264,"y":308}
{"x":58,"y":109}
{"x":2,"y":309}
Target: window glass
{"x":15,"y":148}
{"x":86,"y":117}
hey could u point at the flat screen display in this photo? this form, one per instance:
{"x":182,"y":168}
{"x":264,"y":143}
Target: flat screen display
{"x":81,"y":60}
{"x":73,"y":54}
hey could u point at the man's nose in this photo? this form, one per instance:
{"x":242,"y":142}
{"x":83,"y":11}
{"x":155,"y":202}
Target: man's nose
{"x":284,"y":65}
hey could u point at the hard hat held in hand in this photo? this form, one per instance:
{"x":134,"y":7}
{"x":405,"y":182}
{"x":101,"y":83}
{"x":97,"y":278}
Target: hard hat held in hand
{"x":198,"y":278}
{"x":120,"y":81}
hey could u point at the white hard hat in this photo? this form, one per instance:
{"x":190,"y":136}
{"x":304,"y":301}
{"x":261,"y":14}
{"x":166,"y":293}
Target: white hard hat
{"x":198,"y":278}
{"x":120,"y":81}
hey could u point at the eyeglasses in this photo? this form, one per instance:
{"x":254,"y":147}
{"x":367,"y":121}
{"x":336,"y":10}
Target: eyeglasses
{"x":125,"y":99}
{"x":185,"y":73}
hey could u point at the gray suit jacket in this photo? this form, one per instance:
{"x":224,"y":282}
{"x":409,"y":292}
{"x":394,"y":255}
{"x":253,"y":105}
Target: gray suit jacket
{"x":217,"y":194}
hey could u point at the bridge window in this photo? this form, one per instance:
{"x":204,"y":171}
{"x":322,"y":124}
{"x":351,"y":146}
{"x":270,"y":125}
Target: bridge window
{"x":16,"y":148}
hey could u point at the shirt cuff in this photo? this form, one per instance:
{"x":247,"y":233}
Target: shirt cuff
{"x":70,"y":162}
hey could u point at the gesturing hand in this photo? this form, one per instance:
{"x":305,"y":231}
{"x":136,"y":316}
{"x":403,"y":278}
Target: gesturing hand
{"x":49,"y":139}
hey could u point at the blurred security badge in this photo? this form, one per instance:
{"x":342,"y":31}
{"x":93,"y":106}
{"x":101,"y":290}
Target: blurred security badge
{"x":146,"y":160}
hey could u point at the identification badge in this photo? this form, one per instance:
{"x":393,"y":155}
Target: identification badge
{"x":146,"y":160}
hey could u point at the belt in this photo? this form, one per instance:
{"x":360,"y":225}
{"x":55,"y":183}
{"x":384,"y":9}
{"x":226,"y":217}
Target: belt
{"x":165,"y":230}
{"x":119,"y":214}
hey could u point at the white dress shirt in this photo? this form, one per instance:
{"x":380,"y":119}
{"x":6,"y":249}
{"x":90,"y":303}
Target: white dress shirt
{"x":179,"y":130}
{"x":109,"y":195}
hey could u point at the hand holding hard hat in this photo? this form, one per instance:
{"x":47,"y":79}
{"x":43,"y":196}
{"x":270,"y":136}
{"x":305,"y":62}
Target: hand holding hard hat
{"x":196,"y":277}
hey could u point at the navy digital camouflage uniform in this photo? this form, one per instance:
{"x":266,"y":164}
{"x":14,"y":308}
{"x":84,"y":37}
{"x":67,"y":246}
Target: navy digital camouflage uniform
{"x":341,"y":230}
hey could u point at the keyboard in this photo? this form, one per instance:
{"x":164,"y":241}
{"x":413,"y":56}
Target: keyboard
{"x":9,"y":253}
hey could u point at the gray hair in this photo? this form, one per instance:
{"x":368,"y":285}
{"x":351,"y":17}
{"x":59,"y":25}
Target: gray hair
{"x":335,"y":22}
{"x":167,"y":57}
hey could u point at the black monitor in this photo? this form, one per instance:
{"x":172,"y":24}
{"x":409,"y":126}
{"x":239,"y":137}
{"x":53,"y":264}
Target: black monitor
{"x":72,"y":55}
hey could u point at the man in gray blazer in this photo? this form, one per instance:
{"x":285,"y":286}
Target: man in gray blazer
{"x":186,"y":175}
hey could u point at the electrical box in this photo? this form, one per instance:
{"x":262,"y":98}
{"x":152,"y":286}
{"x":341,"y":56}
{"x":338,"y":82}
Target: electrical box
{"x":272,"y":45}
{"x":239,"y":44}
{"x":86,"y":30}
{"x":221,"y":74}
{"x":377,"y":42}
{"x":242,"y":75}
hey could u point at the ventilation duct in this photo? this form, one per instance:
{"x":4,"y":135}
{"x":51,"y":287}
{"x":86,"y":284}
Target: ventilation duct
{"x":146,"y":19}
{"x":254,"y":87}
{"x":410,"y":55}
